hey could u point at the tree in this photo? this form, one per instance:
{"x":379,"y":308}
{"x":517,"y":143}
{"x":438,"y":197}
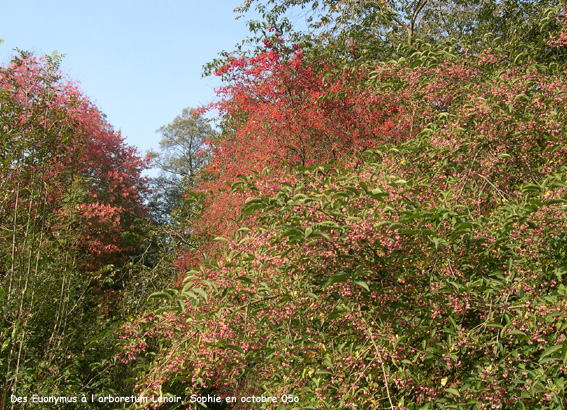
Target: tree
{"x":377,"y":28}
{"x":413,"y":258}
{"x":183,"y":153}
{"x":71,"y":203}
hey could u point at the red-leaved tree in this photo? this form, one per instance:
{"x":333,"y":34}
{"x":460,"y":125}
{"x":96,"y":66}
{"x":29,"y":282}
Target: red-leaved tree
{"x":281,"y":110}
{"x":71,"y":198}
{"x":57,"y":144}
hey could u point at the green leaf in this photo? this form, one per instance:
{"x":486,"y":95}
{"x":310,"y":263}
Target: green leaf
{"x":200,"y":292}
{"x":337,"y":278}
{"x":308,"y":232}
{"x":396,"y":225}
{"x":163,"y":295}
{"x":531,"y":188}
{"x":454,"y":392}
{"x":190,"y":293}
{"x":249,"y":209}
{"x":550,"y":351}
{"x":294,"y":233}
{"x":522,"y":97}
{"x":362,"y":284}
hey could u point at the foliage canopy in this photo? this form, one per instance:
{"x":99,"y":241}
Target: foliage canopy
{"x":393,"y":233}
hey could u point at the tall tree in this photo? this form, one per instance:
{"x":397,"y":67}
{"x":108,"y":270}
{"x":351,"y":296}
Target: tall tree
{"x":71,"y":198}
{"x":377,"y":27}
{"x":183,"y":153}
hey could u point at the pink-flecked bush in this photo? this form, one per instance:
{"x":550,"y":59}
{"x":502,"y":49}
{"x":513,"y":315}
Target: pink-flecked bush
{"x":426,"y":272}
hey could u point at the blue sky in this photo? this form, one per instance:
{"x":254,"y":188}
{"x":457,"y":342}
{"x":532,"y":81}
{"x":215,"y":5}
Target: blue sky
{"x":140,"y":62}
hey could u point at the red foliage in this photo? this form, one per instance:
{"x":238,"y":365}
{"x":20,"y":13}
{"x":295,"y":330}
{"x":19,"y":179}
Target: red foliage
{"x":71,"y":164}
{"x":288,"y":110}
{"x":281,"y":110}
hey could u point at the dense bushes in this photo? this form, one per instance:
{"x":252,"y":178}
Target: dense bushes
{"x":363,"y":233}
{"x":420,"y":268}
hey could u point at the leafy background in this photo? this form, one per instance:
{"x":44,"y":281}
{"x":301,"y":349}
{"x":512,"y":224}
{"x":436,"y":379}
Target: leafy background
{"x":377,"y":220}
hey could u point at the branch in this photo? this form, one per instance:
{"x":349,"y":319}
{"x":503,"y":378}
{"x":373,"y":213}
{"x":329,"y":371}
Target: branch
{"x":414,"y":16}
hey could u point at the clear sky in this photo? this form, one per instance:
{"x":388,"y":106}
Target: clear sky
{"x":139,"y":61}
